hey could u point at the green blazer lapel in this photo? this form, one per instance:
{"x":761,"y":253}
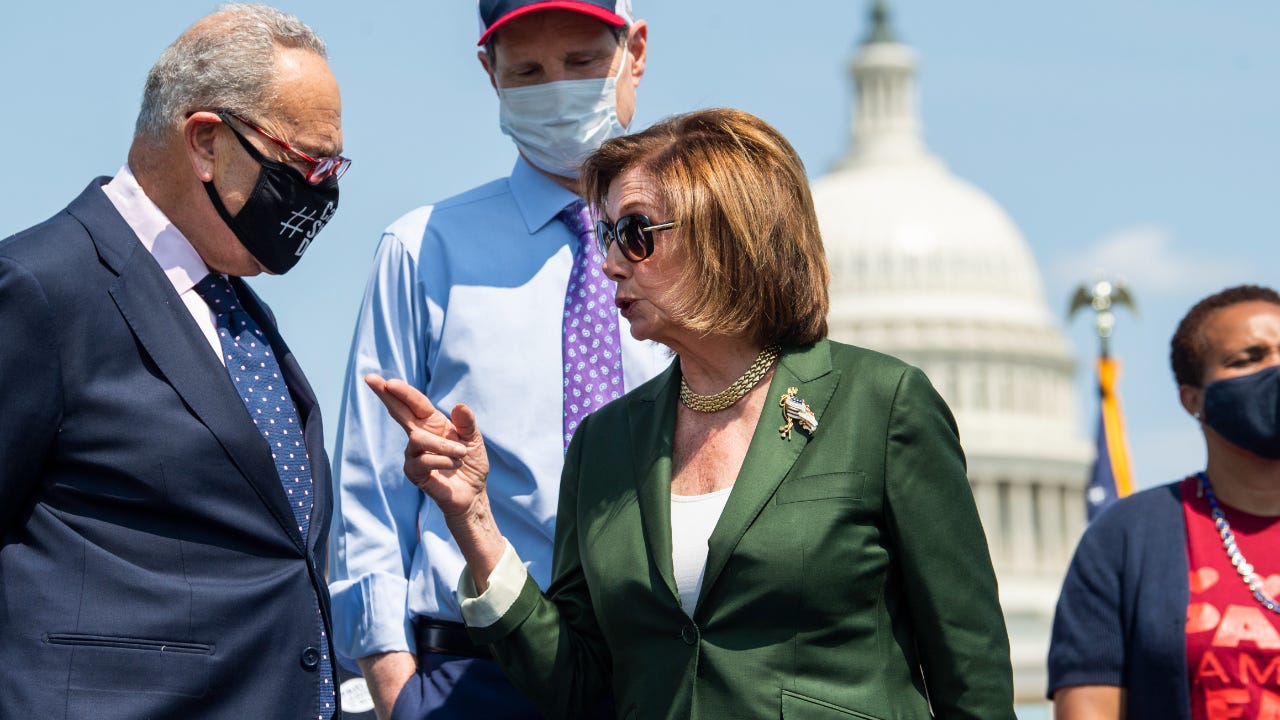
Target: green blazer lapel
{"x":770,"y":457}
{"x":652,"y":417}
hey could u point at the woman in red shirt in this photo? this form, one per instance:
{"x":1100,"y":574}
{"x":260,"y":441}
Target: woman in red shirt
{"x":1120,"y":640}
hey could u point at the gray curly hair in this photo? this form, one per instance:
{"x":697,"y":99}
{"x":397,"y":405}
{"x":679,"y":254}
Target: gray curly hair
{"x":225,"y":61}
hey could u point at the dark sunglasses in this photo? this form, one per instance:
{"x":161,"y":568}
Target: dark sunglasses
{"x":318,"y":170}
{"x":633,"y":233}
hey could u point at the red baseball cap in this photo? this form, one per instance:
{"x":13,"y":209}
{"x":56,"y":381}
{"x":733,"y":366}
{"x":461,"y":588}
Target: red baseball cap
{"x":494,"y":13}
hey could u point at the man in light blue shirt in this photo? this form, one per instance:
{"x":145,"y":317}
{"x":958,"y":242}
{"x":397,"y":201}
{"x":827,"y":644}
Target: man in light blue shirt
{"x":467,"y":302}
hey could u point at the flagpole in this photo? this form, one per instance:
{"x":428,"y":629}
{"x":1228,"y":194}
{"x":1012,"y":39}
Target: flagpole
{"x":1111,"y":476}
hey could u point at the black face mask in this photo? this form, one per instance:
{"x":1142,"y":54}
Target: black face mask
{"x":283,"y":213}
{"x":1246,"y":411}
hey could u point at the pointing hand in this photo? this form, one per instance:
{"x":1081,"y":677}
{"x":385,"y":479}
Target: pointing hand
{"x":445,"y":455}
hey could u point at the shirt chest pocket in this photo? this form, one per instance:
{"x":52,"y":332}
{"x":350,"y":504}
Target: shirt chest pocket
{"x":849,"y":485}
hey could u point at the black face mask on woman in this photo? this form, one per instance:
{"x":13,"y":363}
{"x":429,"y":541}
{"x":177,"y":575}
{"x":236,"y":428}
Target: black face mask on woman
{"x":1246,"y":411}
{"x":283,"y":213}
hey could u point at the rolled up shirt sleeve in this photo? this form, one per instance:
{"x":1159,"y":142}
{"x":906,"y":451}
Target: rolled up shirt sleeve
{"x":376,"y":509}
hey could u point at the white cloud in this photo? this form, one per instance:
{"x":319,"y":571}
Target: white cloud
{"x":1146,"y":256}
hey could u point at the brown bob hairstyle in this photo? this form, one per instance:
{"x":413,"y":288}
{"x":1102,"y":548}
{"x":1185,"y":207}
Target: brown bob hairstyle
{"x":740,"y":198}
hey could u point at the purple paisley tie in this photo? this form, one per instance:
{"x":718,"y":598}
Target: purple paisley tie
{"x":592,"y":349}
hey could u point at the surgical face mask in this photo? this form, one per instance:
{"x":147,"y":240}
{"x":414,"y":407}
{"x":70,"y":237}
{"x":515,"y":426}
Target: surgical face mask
{"x":557,"y":124}
{"x":283,"y":213}
{"x":1246,"y":411}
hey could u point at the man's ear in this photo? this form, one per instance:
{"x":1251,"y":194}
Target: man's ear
{"x":199,"y":133}
{"x":638,"y":46}
{"x":484,"y":62}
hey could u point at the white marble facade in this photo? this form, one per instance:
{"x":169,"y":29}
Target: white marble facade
{"x":929,"y":268}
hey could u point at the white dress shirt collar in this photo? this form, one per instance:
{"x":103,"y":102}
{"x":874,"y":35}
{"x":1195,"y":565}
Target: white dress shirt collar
{"x":179,"y":260}
{"x":170,"y":248}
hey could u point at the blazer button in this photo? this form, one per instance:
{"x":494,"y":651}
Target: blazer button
{"x":310,"y":659}
{"x":689,"y":634}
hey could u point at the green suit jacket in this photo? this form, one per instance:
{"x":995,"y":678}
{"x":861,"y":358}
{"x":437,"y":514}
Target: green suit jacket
{"x":848,"y":576}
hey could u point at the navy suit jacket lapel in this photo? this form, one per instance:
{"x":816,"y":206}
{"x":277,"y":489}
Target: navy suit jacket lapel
{"x":166,"y":332}
{"x":304,"y":400}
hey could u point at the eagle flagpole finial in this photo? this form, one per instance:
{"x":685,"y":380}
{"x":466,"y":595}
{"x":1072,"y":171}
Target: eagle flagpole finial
{"x":1102,"y":296}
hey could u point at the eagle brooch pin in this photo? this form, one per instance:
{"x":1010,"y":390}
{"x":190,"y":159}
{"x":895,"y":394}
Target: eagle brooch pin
{"x":795,"y":410}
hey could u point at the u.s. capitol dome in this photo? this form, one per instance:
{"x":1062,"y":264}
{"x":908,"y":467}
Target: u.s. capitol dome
{"x":928,"y":267}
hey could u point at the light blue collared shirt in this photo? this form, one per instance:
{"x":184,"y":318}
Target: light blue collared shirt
{"x":466,"y":303}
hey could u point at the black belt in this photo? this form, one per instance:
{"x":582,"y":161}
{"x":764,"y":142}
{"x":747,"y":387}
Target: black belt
{"x":446,"y":638}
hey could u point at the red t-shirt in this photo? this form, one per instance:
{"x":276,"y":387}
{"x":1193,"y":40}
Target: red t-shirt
{"x":1233,"y":642}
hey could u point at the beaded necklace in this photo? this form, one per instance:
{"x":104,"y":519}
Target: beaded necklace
{"x":1241,"y":565}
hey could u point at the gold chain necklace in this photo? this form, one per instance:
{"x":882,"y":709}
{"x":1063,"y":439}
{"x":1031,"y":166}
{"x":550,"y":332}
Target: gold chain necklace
{"x":735,"y":392}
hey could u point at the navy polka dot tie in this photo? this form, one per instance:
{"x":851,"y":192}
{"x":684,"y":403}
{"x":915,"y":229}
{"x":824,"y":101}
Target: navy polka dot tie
{"x":256,"y":375}
{"x":591,"y":343}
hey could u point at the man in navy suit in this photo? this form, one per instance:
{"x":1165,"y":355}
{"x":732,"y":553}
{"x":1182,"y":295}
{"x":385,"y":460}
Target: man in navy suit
{"x":164,"y":489}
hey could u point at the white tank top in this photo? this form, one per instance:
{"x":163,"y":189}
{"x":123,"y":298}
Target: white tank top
{"x":693,"y":517}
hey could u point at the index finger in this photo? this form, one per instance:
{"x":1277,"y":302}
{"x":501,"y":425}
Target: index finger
{"x":405,"y":403}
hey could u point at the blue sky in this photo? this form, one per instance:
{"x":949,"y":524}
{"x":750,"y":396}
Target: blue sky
{"x":1134,"y":137}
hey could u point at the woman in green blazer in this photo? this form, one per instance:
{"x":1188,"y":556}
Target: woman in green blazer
{"x":778,"y":526}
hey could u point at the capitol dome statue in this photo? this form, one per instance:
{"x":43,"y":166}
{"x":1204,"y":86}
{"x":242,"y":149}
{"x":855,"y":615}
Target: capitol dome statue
{"x":929,"y":268}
